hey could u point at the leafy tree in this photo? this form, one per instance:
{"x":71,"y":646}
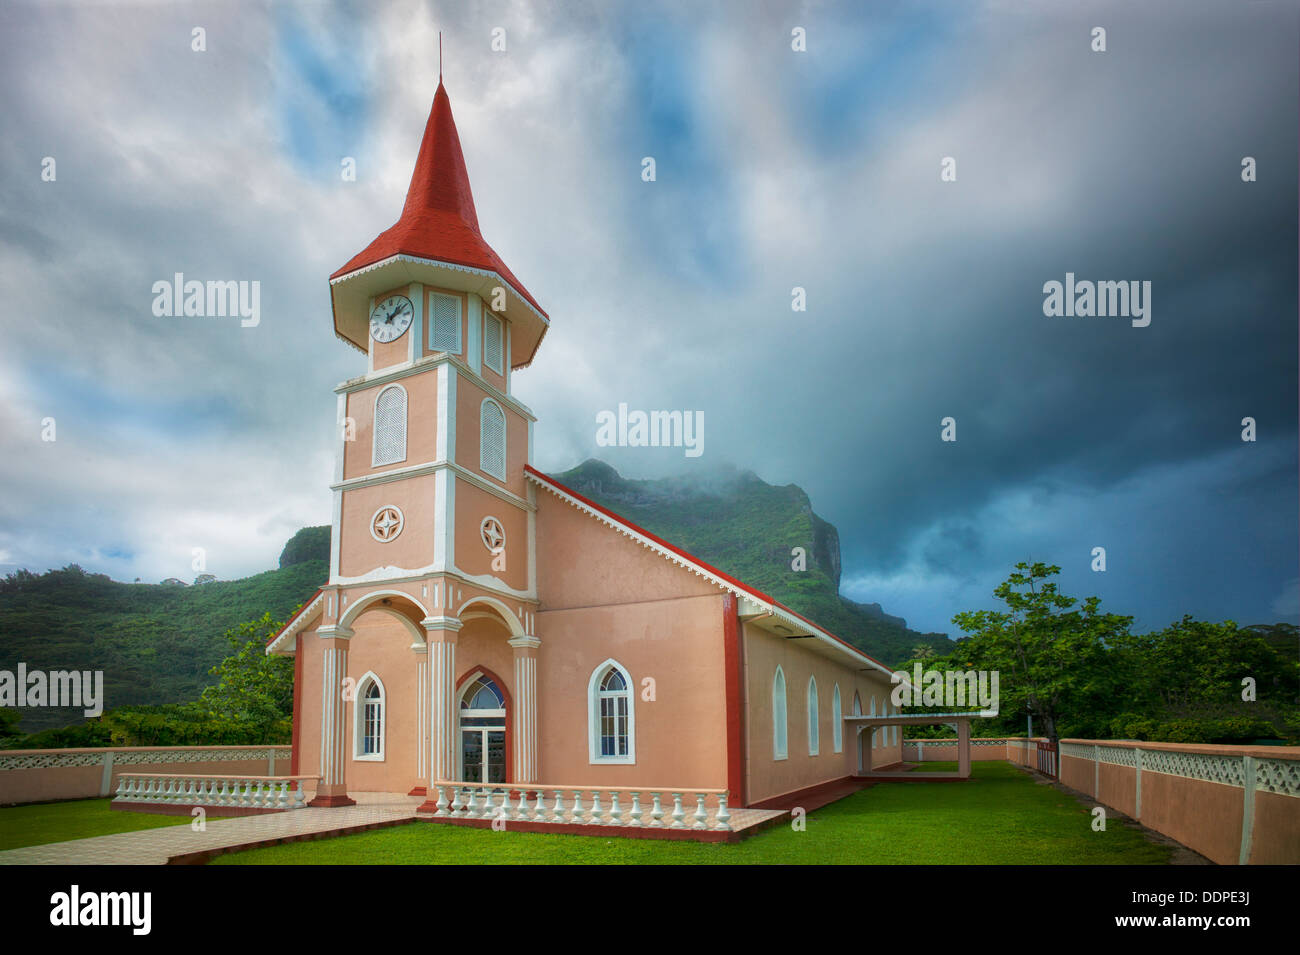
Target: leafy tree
{"x":1195,"y":669}
{"x":9,"y":719}
{"x":252,"y":687}
{"x":1050,"y":654}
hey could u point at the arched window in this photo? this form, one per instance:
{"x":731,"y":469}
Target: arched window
{"x":482,"y":698}
{"x":814,"y":719}
{"x":837,"y":719}
{"x":778,"y":715}
{"x":390,"y":426}
{"x":857,"y":704}
{"x":611,"y":719}
{"x":492,"y":440}
{"x":369,"y":735}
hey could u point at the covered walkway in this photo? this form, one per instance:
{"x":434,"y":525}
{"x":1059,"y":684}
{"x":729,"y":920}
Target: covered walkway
{"x":863,"y":728}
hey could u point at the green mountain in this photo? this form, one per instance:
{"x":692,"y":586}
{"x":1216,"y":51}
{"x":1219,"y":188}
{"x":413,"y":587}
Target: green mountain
{"x":155,"y":643}
{"x":748,"y":528}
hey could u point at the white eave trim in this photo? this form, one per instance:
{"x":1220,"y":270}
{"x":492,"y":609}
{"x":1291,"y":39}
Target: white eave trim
{"x":440,"y":263}
{"x":306,"y":616}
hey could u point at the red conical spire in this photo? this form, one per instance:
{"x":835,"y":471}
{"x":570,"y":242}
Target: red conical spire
{"x":438,"y":221}
{"x":440,"y":181}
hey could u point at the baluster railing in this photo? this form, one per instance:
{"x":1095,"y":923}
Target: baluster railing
{"x":611,"y":806}
{"x":722,"y":818}
{"x":700,"y":814}
{"x":268,"y":793}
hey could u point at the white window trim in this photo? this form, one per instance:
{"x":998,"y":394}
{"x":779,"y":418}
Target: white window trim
{"x":499,"y":367}
{"x":814,"y":718}
{"x":594,"y":756}
{"x":837,"y":720}
{"x":505,"y":438}
{"x":359,"y":720}
{"x":374,"y":426}
{"x":460,"y":322}
{"x":781,"y":730}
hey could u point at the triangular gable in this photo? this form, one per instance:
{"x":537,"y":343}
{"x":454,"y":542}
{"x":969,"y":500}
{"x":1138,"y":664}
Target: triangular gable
{"x":295,"y":624}
{"x":758,"y":601}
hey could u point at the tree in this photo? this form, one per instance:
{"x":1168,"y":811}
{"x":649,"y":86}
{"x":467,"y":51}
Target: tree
{"x":1050,"y":655}
{"x":252,"y":686}
{"x":9,"y":720}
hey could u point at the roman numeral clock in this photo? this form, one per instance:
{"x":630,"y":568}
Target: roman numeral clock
{"x":391,"y":318}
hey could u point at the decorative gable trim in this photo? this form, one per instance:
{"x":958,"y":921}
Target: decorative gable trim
{"x":309,"y":612}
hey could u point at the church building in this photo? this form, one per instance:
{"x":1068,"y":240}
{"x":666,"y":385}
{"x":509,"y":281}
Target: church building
{"x":483,"y":623}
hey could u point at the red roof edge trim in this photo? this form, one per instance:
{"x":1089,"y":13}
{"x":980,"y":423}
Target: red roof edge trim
{"x":695,"y":560}
{"x":296,"y":614}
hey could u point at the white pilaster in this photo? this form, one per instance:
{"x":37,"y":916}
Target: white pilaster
{"x":525,"y":710}
{"x":443,"y":719}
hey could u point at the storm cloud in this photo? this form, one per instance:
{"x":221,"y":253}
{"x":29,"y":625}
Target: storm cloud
{"x":775,"y":169}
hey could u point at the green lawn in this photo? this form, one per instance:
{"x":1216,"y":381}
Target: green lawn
{"x":48,"y":822}
{"x":1001,"y":816}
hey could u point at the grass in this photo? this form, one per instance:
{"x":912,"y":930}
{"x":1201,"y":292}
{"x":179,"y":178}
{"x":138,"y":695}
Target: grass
{"x":43,"y":823}
{"x":1001,"y":817}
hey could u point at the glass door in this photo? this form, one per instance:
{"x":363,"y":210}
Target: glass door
{"x":483,"y":732}
{"x":471,"y":753}
{"x":483,"y":754}
{"x":495,"y":754}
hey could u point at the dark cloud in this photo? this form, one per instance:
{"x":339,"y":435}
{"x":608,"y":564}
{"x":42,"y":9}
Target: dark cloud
{"x":776,"y":169}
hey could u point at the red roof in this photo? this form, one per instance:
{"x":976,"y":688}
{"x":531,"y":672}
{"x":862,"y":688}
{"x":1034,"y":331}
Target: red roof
{"x":438,"y":220}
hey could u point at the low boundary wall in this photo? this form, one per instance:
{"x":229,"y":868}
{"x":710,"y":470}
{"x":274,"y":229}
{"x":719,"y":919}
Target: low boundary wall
{"x":1013,"y":749}
{"x":1235,"y":805}
{"x":1232,"y":804}
{"x":43,"y":775}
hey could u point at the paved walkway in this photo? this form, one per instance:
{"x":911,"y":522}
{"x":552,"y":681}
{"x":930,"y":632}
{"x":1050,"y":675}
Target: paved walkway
{"x":156,"y":846}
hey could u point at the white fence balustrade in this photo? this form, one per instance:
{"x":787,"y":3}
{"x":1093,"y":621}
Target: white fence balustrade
{"x":253,"y":792}
{"x":584,"y":805}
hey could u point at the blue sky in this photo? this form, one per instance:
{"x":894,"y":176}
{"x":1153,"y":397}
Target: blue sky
{"x":775,"y":169}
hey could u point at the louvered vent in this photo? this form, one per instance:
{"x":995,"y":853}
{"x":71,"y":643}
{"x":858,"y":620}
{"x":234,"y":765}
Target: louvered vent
{"x":492,"y":344}
{"x":492,"y":440}
{"x":390,"y":427}
{"x":444,"y":317}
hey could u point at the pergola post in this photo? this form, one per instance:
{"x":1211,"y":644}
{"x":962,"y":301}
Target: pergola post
{"x":963,"y":749}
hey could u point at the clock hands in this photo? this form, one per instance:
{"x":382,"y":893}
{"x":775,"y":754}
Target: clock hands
{"x":384,"y":319}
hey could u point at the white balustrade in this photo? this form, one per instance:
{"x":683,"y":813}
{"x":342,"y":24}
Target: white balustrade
{"x":254,"y":792}
{"x":582,"y":806}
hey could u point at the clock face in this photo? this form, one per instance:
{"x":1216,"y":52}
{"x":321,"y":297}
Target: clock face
{"x":391,"y":318}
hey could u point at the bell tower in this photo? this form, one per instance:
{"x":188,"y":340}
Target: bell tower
{"x":431,"y":511}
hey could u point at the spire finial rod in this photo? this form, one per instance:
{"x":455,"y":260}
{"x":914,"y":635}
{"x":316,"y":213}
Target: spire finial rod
{"x":439,"y":56}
